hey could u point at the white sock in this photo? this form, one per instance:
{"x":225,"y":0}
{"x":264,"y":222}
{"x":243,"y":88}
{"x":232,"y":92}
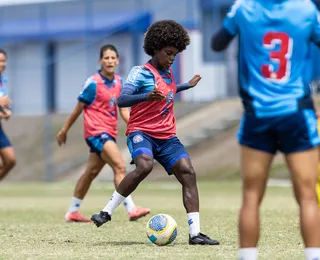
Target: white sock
{"x":194,"y":223}
{"x":75,"y":204}
{"x":249,"y":253}
{"x":312,"y":253}
{"x":115,"y":200}
{"x":129,"y":204}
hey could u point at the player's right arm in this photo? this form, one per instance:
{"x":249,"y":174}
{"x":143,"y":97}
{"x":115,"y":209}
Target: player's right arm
{"x":86,"y":98}
{"x":135,"y":80}
{"x":221,"y":39}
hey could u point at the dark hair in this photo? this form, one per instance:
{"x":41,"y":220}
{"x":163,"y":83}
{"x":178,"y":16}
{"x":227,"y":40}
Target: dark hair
{"x":108,"y":47}
{"x":165,"y":33}
{"x":3,"y":52}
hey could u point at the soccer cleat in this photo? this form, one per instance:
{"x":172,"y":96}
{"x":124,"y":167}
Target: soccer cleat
{"x":75,"y":217}
{"x":202,"y":239}
{"x":137,"y":213}
{"x":100,"y":218}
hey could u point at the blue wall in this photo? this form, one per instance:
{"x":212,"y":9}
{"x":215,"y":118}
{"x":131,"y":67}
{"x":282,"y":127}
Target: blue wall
{"x":53,"y":47}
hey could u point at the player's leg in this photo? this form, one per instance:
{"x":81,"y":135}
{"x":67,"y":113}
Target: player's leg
{"x":140,"y":146}
{"x":258,"y":144}
{"x":112,"y":155}
{"x":303,"y":167}
{"x":7,"y":155}
{"x":172,"y":155}
{"x":8,"y":161}
{"x":302,"y":156}
{"x":94,"y":166}
{"x":318,"y":182}
{"x":255,"y":166}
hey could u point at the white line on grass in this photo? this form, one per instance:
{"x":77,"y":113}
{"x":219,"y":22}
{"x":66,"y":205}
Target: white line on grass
{"x":279,"y":183}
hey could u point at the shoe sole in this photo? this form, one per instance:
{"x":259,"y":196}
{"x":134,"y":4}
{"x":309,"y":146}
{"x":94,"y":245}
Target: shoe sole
{"x":77,"y":221}
{"x":98,"y":224}
{"x":200,"y":244}
{"x":137,"y":217}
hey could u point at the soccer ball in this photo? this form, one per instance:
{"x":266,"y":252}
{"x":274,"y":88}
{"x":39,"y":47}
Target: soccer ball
{"x":162,"y":229}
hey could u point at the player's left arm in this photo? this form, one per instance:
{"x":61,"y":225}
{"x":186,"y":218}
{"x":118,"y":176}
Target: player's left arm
{"x":6,"y":113}
{"x":315,"y":35}
{"x":5,"y":101}
{"x":190,"y":84}
{"x":5,"y":107}
{"x":221,"y":39}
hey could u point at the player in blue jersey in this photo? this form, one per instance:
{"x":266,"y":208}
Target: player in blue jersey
{"x":6,"y":150}
{"x":274,"y":46}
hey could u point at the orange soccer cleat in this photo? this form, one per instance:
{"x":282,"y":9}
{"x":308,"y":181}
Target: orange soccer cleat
{"x":76,"y":217}
{"x":137,"y":213}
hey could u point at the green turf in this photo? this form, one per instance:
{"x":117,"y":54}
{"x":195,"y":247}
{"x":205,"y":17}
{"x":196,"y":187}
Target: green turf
{"x":32,"y":226}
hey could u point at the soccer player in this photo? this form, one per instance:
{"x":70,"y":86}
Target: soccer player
{"x":98,"y":101}
{"x":6,"y":150}
{"x":150,"y":90}
{"x":274,"y":46}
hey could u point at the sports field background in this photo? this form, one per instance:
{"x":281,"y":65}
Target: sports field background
{"x":32,"y":224}
{"x":32,"y":211}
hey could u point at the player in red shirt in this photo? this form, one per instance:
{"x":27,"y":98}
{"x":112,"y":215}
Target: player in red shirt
{"x":98,"y":101}
{"x":150,"y":90}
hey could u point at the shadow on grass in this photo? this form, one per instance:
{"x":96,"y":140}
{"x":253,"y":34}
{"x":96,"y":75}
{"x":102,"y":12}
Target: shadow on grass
{"x":119,"y":243}
{"x":130,"y":243}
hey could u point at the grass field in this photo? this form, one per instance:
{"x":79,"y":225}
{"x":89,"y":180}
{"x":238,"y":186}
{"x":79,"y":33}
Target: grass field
{"x":32,"y":225}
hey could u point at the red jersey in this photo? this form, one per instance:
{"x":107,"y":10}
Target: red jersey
{"x":155,"y":118}
{"x":101,"y":115}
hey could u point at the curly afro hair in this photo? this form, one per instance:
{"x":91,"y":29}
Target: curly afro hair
{"x":165,"y":33}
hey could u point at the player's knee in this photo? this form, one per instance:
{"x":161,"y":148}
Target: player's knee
{"x":10,"y":162}
{"x":187,"y":173}
{"x":144,"y":168}
{"x":92,"y":173}
{"x":252,"y":199}
{"x":119,"y":169}
{"x":306,"y":195}
{"x":305,"y":191}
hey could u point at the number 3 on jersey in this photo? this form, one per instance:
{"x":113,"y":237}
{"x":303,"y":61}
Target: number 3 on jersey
{"x":280,"y":46}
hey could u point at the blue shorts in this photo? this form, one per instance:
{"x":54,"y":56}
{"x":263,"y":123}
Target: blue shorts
{"x":166,"y":152}
{"x":4,"y":140}
{"x":288,"y":134}
{"x":97,"y":142}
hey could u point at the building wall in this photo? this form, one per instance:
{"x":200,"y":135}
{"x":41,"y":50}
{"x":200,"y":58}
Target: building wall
{"x":213,"y":83}
{"x":73,"y":70}
{"x":77,"y":59}
{"x":26,"y":78}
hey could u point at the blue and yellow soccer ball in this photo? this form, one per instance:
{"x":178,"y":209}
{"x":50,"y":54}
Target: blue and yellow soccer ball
{"x":162,"y":229}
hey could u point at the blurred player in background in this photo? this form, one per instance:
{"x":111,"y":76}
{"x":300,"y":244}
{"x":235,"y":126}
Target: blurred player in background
{"x":318,"y":183}
{"x":150,"y":90}
{"x":98,"y":100}
{"x":6,"y":150}
{"x":274,"y":38}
